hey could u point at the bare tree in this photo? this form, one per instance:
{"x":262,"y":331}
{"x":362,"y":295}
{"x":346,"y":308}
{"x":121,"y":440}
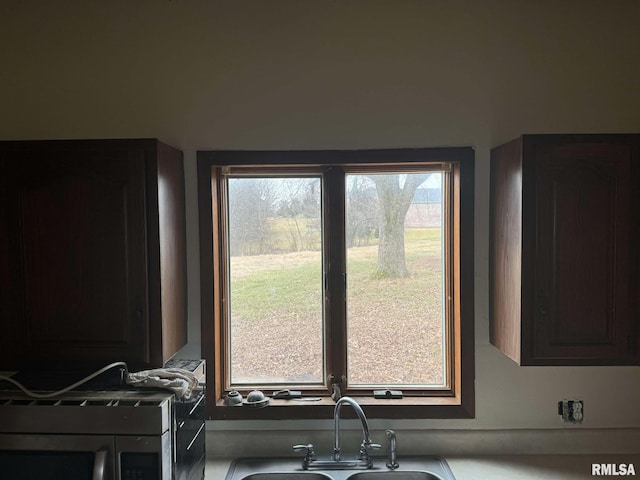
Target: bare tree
{"x":299,"y":207}
{"x":250,"y":206}
{"x":395,"y":194}
{"x":362,"y":211}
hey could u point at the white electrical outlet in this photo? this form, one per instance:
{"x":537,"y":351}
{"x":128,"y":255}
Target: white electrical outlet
{"x":571,"y":410}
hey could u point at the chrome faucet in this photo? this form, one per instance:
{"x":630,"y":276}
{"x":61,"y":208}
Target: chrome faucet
{"x":366,"y":438}
{"x":362,"y":461}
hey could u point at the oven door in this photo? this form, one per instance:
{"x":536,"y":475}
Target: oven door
{"x":56,"y":457}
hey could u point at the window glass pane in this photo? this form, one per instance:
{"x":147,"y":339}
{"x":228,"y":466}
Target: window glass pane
{"x":395,"y":278}
{"x":275,"y":281}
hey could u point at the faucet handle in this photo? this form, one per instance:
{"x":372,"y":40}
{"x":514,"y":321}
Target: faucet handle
{"x":364,"y":451}
{"x":308,"y":448}
{"x":310,"y":454}
{"x":365,"y":447}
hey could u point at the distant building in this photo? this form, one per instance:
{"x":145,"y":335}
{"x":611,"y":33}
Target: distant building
{"x":426,"y":209}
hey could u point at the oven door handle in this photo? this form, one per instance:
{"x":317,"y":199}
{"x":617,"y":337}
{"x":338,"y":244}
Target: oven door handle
{"x":100,"y":465}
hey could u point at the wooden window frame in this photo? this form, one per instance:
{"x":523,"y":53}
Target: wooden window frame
{"x":456,"y":402}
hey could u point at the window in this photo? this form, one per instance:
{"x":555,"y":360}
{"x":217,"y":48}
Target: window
{"x":339,"y":269}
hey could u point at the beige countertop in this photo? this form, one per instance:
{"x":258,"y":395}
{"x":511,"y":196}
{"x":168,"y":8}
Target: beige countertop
{"x":508,"y":467}
{"x":534,"y":467}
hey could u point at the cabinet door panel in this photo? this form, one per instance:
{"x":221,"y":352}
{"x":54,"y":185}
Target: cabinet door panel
{"x":81,"y":243}
{"x":583,"y":243}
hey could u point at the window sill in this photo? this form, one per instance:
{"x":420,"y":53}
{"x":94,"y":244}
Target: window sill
{"x":408,"y":407}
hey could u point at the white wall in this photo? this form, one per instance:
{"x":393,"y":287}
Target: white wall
{"x":314,"y":74}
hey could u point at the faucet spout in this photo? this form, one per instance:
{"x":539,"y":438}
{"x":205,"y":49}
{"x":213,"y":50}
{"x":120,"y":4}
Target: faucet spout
{"x":366,"y":437}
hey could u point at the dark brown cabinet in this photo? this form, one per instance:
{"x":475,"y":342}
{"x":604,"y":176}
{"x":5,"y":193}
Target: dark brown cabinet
{"x":92,"y":253}
{"x":564,"y":244}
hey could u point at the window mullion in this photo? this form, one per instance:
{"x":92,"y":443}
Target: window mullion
{"x":335,"y":268}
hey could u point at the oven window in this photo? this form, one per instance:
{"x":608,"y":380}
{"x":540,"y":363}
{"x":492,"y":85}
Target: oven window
{"x":29,"y":465}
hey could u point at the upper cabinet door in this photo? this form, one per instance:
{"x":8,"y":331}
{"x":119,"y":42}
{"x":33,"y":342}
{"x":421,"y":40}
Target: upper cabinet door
{"x":564,"y":231}
{"x":92,"y":253}
{"x":583,"y":303}
{"x":79,"y":247}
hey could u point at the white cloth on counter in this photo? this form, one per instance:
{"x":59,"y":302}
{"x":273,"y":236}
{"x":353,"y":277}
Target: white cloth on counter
{"x":182,"y":382}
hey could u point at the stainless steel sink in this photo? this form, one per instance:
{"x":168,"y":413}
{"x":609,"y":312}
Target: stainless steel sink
{"x":287,"y":476}
{"x":411,"y":468}
{"x":395,"y":475}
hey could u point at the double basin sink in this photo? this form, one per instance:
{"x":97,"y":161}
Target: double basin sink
{"x":411,"y":468}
